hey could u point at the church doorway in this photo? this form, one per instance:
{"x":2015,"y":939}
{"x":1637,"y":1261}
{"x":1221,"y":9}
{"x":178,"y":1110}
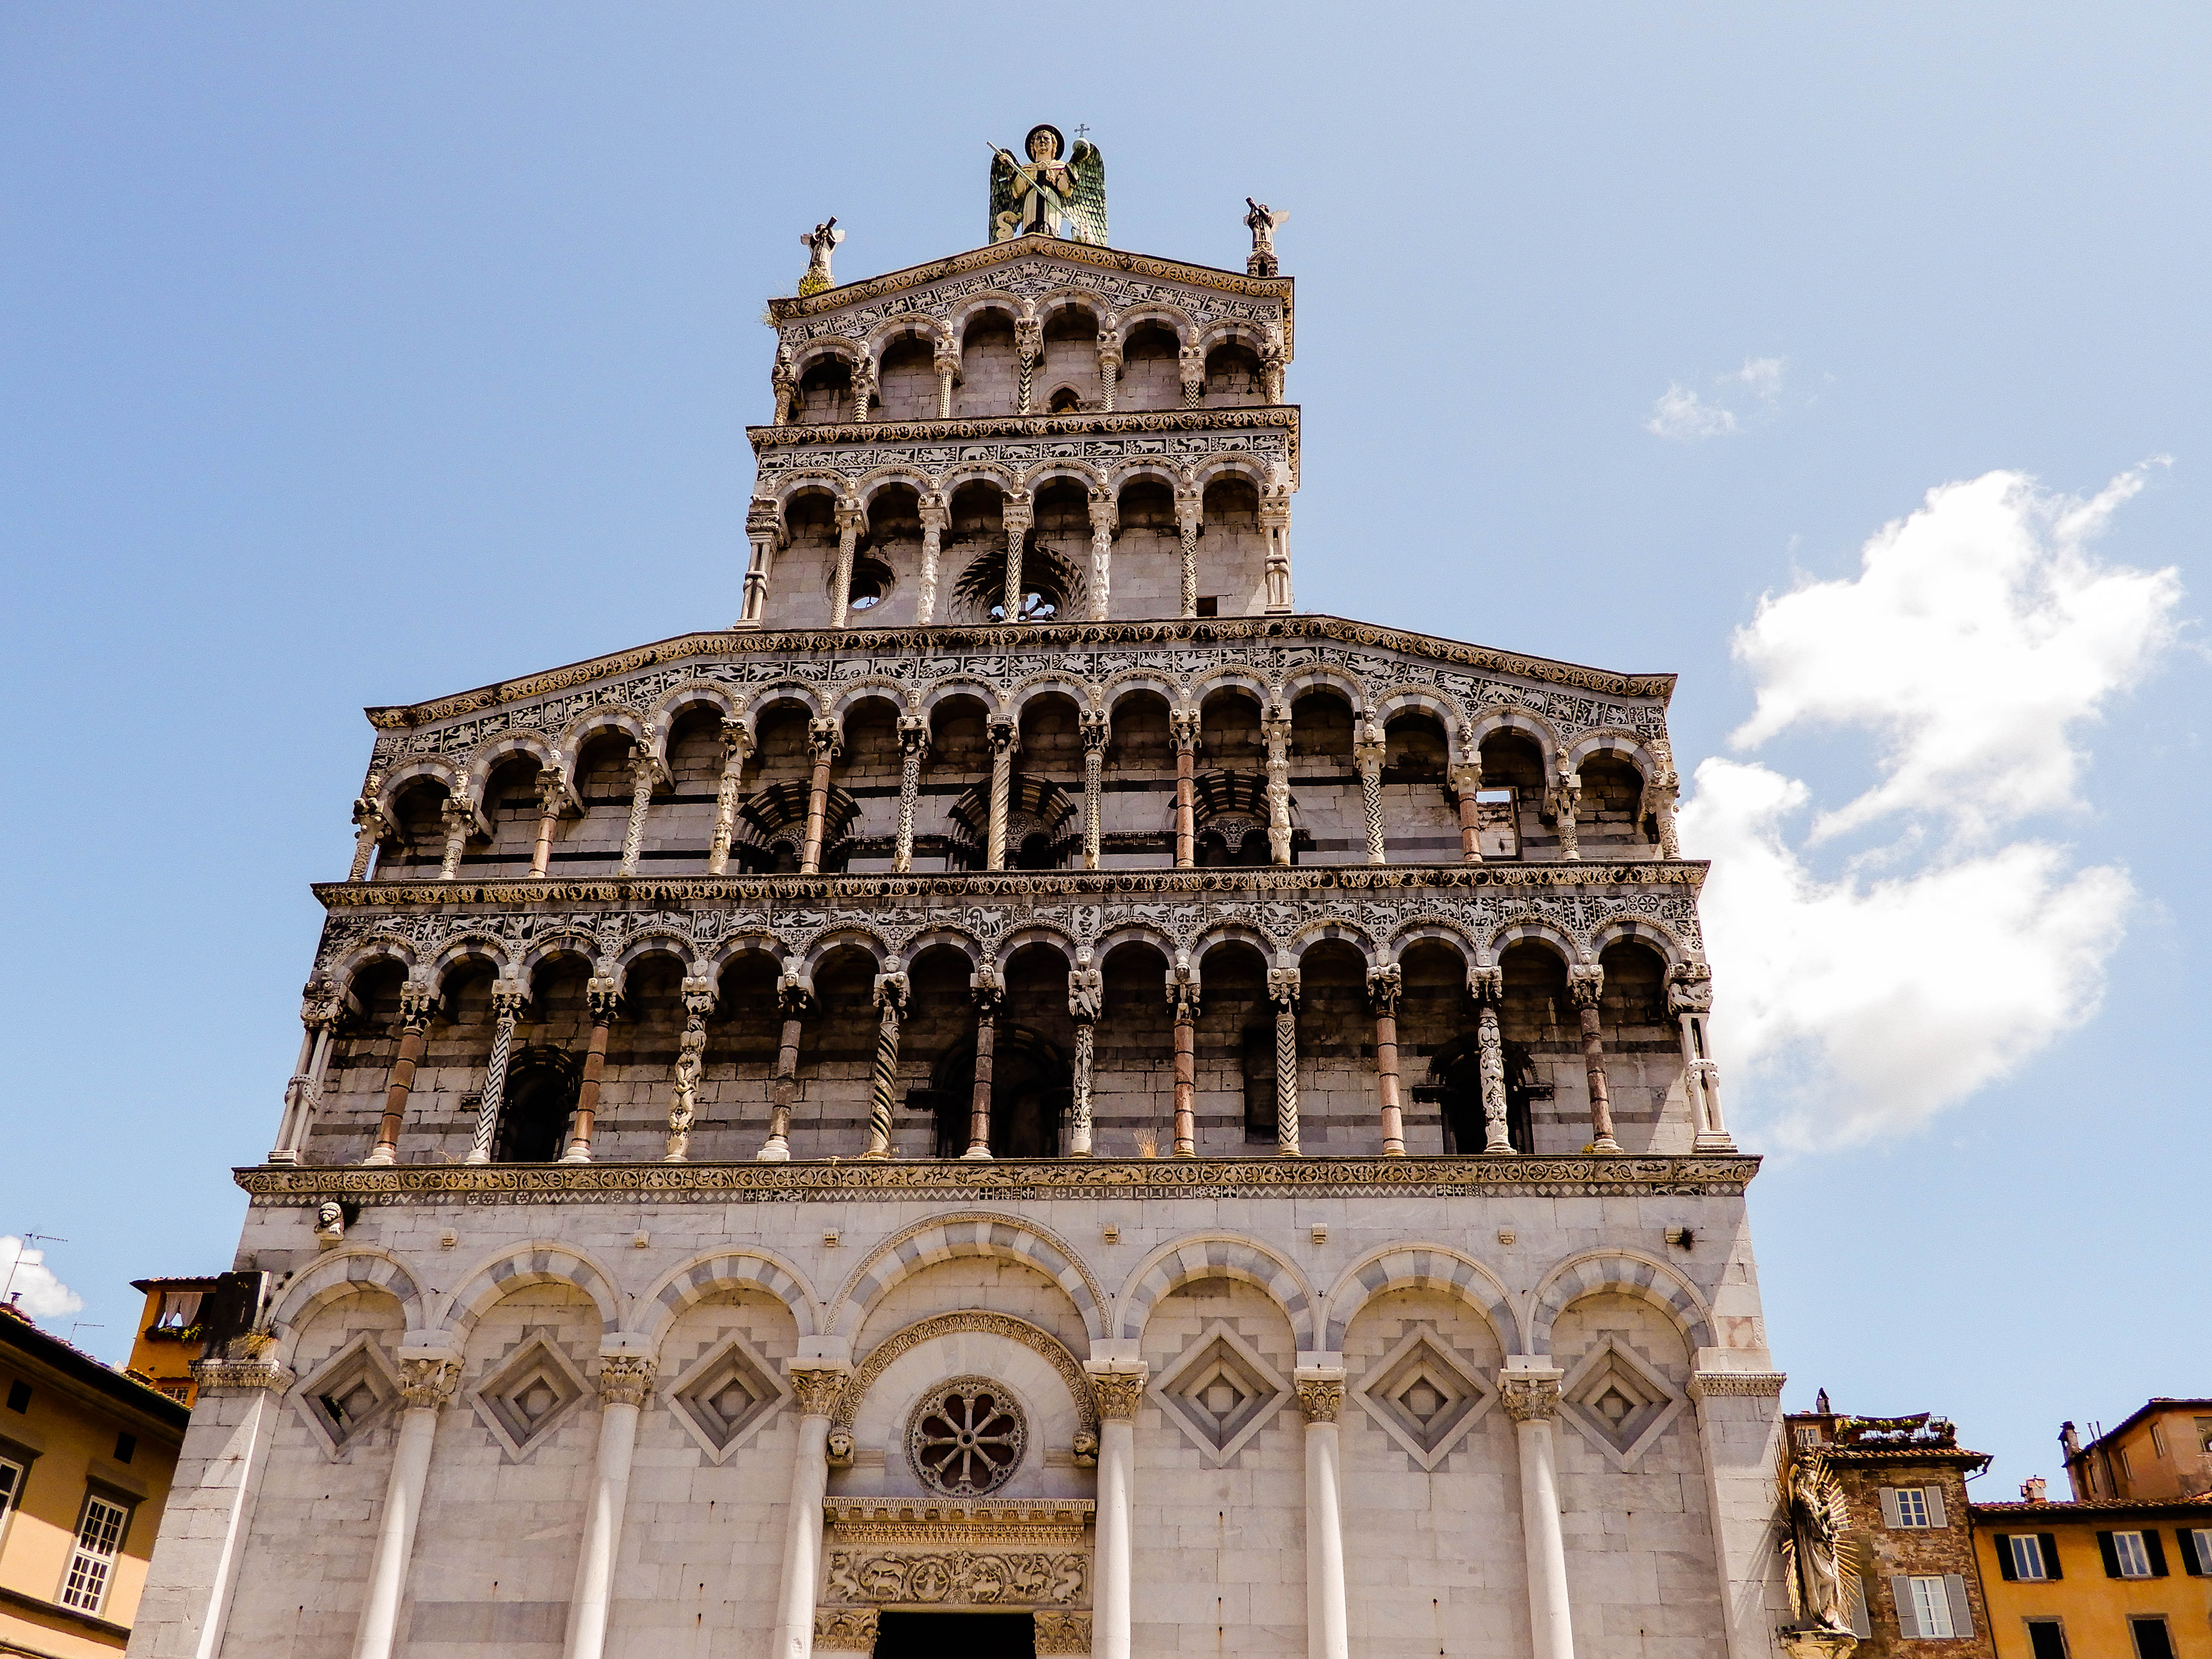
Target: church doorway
{"x":1032,"y":1086}
{"x":956,"y":1636}
{"x":535,"y":1107}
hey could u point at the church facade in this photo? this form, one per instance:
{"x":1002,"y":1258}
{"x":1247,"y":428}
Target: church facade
{"x":1027,"y":1094}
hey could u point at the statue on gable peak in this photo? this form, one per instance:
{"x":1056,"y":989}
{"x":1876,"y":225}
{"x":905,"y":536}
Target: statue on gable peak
{"x":1053,"y":192}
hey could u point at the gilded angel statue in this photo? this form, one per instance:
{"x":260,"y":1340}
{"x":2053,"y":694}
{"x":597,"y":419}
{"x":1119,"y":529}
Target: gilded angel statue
{"x":1047,"y":196}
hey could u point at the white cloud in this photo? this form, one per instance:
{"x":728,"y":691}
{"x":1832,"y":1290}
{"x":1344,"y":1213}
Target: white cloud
{"x":1761,"y":376}
{"x":32,"y":1286}
{"x":1977,"y":641}
{"x":1682,"y":414}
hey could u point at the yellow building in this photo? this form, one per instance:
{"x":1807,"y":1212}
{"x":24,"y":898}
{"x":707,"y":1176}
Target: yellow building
{"x":86,"y":1458}
{"x":180,"y":1316}
{"x":2104,"y":1579}
{"x":2161,"y":1454}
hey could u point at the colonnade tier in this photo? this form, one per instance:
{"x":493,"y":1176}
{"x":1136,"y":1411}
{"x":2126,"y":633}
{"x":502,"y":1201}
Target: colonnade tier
{"x":789,"y":778}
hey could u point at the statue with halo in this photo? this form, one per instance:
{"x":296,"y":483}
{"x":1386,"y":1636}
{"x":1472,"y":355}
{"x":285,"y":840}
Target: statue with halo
{"x":1046,"y":195}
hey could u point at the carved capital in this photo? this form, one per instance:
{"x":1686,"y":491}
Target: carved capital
{"x":418,"y":1002}
{"x":891,"y":992}
{"x":428,"y":1382}
{"x":1183,"y":993}
{"x":851,"y":518}
{"x":209,"y":1375}
{"x":1369,"y":754}
{"x":509,"y":997}
{"x":1530,"y":1396}
{"x":737,"y":739}
{"x":1190,"y":361}
{"x":913,"y":735}
{"x":1094,"y":728}
{"x":369,"y":816}
{"x":1190,"y":510}
{"x":1018,"y":513}
{"x":320,"y":1004}
{"x":1004,"y":736}
{"x":825,"y":740}
{"x":764,"y":519}
{"x":934,"y":513}
{"x":552,"y":791}
{"x":455,"y":813}
{"x":1183,"y":729}
{"x":1283,"y":987}
{"x":988,"y":990}
{"x":795,"y":997}
{"x":699,"y":1000}
{"x":844,"y":1630}
{"x":626,"y":1379}
{"x":1086,"y":995}
{"x":1321,"y":1393}
{"x":817,"y":1387}
{"x":1585,"y":984}
{"x":1689,"y":988}
{"x":1117,"y":1389}
{"x":601,"y":1000}
{"x":1385,"y":985}
{"x":1061,"y":1631}
{"x":1487,"y":987}
{"x":1103,"y":513}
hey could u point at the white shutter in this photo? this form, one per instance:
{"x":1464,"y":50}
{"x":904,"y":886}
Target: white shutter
{"x":1862,"y":1627}
{"x":1962,"y":1614}
{"x":1889,"y":1515}
{"x":1900,"y":1593}
{"x":1935,"y":1497}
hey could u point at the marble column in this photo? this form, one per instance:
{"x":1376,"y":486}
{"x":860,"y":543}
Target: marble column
{"x":1117,"y":1387}
{"x":508,"y":998}
{"x":552,"y":805}
{"x":852,"y":521}
{"x":1690,"y":1000}
{"x":1385,"y":986}
{"x":625,"y":1385}
{"x":891,"y":991}
{"x":1182,"y":1000}
{"x":1190,"y":520}
{"x":863,"y":389}
{"x":783,"y":386}
{"x":321,"y":1006}
{"x":913,"y":748}
{"x":818,"y":1386}
{"x":825,"y":741}
{"x":1183,"y":730}
{"x":1282,"y":991}
{"x":699,"y":1000}
{"x":1274,"y":358}
{"x":795,"y":1000}
{"x":1275,"y":731}
{"x":1466,"y":784}
{"x":1275,"y":524}
{"x":1094,"y":728}
{"x":417,"y":1003}
{"x":1368,"y":754}
{"x":1487,"y":987}
{"x":1321,"y":1398}
{"x":1086,"y":995}
{"x":935,"y":517}
{"x":945,"y":359}
{"x":989,"y":992}
{"x":599,"y":1000}
{"x":1585,"y":984}
{"x":737,"y":749}
{"x":1004,"y":737}
{"x":370,"y":827}
{"x":1109,"y":370}
{"x":1661,"y":792}
{"x":1566,"y":805}
{"x":1531,"y":1397}
{"x":1017,"y":515}
{"x":1104,"y":517}
{"x":763,"y":530}
{"x":1190,"y":364}
{"x":427,"y":1379}
{"x":460,"y":821}
{"x":644,"y":771}
{"x":1028,"y":347}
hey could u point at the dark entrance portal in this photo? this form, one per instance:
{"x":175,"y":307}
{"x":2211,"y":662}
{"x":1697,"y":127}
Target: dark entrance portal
{"x":956,"y":1636}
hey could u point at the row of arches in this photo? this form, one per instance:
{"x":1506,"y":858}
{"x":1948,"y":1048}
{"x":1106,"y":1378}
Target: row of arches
{"x":709,"y":785}
{"x":999,"y":354}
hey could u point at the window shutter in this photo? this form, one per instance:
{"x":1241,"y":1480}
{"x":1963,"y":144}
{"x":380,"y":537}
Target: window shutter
{"x":2006,"y":1570}
{"x":1962,"y":1611}
{"x":1901,"y":1595}
{"x":2156,"y":1550}
{"x":2051,"y":1569}
{"x":2111,"y":1555}
{"x":1861,"y":1626}
{"x":1889,"y":1515}
{"x":1936,"y":1516}
{"x":2192,"y":1555}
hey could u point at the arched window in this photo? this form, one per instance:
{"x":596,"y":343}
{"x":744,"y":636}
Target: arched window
{"x":1031,"y":1087}
{"x":1065,"y":402}
{"x":534,"y":1109}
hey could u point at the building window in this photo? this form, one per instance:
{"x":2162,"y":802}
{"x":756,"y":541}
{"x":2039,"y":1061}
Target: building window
{"x":19,"y":1396}
{"x":1906,"y":1506}
{"x":11,"y":1490}
{"x":126,"y":1447}
{"x":1808,"y":1435}
{"x":2120,"y":1457}
{"x":2157,"y":1443}
{"x":2153,"y":1641}
{"x":2196,"y":1551}
{"x":2026,"y":1557}
{"x":2127,"y":1555}
{"x":2046,"y":1639}
{"x":1931,"y":1608}
{"x":99,"y":1539}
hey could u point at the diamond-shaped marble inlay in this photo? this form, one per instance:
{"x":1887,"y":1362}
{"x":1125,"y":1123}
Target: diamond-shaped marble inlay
{"x":349,"y":1394}
{"x":1221,"y":1392}
{"x":1618,"y":1399}
{"x":729,"y":1392}
{"x":528,"y":1395}
{"x":1423,"y":1395}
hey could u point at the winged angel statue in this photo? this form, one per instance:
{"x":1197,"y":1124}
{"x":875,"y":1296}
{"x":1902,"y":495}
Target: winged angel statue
{"x":1047,"y":196}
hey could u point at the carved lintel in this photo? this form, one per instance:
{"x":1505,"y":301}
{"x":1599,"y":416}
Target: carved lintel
{"x":1750,"y":1384}
{"x":209,"y":1375}
{"x":844,"y":1630}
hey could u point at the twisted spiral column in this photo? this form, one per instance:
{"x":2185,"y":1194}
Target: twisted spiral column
{"x":891,"y":991}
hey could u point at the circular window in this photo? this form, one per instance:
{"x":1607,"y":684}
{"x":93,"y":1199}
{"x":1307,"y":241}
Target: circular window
{"x":966,"y":1437}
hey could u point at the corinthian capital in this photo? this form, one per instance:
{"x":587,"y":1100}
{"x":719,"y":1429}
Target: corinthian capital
{"x":626,"y":1379}
{"x":1116,"y":1387}
{"x":428,"y":1381}
{"x":1530,"y":1396}
{"x":1585,"y":984}
{"x":818,"y":1386}
{"x":1321,"y":1392}
{"x":1385,"y":985}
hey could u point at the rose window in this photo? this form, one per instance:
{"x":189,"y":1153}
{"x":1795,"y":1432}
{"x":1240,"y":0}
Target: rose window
{"x":966,"y":1437}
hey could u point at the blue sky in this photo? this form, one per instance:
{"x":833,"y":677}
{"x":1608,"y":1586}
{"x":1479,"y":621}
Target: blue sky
{"x":357,"y":353}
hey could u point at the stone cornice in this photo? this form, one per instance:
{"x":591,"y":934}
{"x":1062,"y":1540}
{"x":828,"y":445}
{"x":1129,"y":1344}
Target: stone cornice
{"x":786,"y":309}
{"x":1023,"y":884}
{"x":951,"y":1179}
{"x":1028,"y":637}
{"x":1027,"y":426}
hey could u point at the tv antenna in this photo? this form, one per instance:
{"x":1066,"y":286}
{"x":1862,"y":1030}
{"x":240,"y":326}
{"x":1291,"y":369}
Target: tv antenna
{"x":22,"y":1249}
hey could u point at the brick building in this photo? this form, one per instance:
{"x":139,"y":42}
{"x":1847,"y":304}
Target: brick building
{"x":1028,"y":1094}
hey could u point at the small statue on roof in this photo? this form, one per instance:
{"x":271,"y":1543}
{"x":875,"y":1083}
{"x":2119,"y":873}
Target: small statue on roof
{"x":817,"y":242}
{"x":1262,"y":221}
{"x":1046,"y":195}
